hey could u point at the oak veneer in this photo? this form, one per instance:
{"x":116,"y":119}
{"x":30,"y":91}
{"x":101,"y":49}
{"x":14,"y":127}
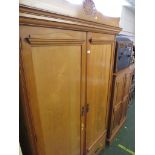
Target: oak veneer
{"x":65,"y":81}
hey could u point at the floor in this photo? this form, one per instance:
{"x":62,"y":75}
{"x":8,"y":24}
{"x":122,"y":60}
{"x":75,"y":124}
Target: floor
{"x":124,"y":143}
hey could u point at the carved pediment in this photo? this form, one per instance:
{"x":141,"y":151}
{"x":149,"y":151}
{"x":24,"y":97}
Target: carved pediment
{"x":89,"y":7}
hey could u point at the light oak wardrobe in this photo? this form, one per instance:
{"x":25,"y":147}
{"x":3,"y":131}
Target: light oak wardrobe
{"x":66,"y":63}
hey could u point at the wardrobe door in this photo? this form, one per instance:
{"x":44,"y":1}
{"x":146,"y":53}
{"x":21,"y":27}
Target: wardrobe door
{"x":53,"y":65}
{"x":99,"y":74}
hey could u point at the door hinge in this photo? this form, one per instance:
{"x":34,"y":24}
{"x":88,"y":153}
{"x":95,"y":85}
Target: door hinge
{"x":85,"y":109}
{"x":35,"y":137}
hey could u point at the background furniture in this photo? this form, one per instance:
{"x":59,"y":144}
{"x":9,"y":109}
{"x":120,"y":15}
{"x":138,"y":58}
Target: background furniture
{"x":65,"y":77}
{"x":121,"y":88}
{"x":119,"y":101}
{"x":123,"y":55}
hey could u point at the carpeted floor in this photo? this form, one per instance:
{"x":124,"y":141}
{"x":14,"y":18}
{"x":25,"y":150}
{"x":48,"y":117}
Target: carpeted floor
{"x":124,"y":143}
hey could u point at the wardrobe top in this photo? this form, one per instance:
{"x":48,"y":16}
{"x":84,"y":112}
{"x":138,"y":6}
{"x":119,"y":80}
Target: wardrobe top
{"x":85,"y":13}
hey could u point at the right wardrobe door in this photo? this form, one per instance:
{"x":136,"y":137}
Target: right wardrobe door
{"x":100,"y":51}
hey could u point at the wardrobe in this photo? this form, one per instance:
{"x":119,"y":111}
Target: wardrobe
{"x":66,"y":63}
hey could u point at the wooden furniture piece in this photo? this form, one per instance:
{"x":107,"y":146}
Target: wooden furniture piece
{"x":65,"y":77}
{"x":123,"y":54}
{"x":119,"y":101}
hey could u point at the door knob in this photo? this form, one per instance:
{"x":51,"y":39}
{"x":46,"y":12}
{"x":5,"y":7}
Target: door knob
{"x":82,"y":126}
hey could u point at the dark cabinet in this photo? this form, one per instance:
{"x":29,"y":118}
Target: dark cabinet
{"x":119,"y":101}
{"x":124,"y":48}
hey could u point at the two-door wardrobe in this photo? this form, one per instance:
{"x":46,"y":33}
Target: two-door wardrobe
{"x":66,"y":67}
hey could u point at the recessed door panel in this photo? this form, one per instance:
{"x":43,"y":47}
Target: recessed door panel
{"x":119,"y":89}
{"x":128,"y":78}
{"x":57,"y":74}
{"x":125,"y":107}
{"x":117,"y":115}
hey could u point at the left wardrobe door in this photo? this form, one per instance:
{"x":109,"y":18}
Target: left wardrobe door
{"x":52,"y":73}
